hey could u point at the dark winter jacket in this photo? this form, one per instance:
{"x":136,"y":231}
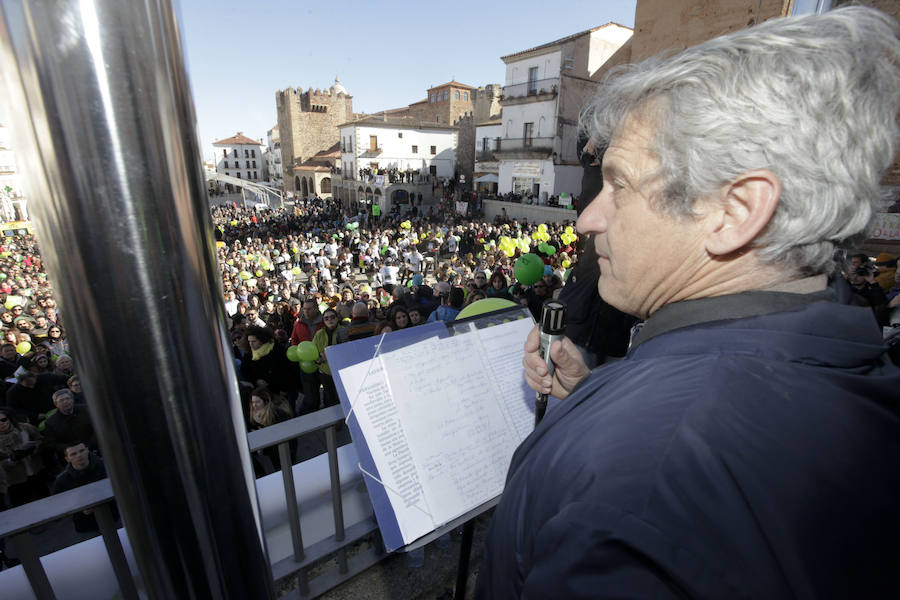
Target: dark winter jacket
{"x":746,"y":447}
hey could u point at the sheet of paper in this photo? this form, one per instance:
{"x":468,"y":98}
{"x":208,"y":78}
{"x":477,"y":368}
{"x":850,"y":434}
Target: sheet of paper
{"x":460,"y":439}
{"x":381,"y":425}
{"x":504,"y":348}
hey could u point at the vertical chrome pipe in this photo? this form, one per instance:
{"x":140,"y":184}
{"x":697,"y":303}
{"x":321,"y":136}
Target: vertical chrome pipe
{"x":102,"y":113}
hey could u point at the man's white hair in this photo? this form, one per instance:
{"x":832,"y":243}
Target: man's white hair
{"x":814,"y":99}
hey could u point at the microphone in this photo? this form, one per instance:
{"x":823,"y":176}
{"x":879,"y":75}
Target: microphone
{"x":553,"y":325}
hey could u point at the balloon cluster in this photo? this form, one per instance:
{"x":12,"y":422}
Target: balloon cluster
{"x":407,"y":224}
{"x":548,"y":249}
{"x":508,"y":245}
{"x":568,"y":237}
{"x":306,"y":354}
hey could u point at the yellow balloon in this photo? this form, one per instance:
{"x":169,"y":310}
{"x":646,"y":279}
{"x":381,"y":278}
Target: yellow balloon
{"x":569,"y":230}
{"x":566,"y":264}
{"x":23,"y":347}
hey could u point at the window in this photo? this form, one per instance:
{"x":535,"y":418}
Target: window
{"x":238,"y":174}
{"x":415,"y":149}
{"x":254,"y":164}
{"x":246,"y":153}
{"x":247,"y":164}
{"x":485,"y":144}
{"x":254,"y":175}
{"x":456,"y":94}
{"x":399,"y":134}
{"x":431,"y":98}
{"x":446,"y":94}
{"x":527,"y":134}
{"x":224,"y":153}
{"x":252,"y":153}
{"x":465,"y":96}
{"x":225,"y":164}
{"x":434,"y":149}
{"x":373,"y":142}
{"x":433,"y":170}
{"x":235,"y":153}
{"x":532,"y":80}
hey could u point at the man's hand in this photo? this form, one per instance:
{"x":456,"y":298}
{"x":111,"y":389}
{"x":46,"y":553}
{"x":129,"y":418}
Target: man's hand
{"x":570,"y":366}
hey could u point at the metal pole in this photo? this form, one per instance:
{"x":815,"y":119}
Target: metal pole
{"x":105,"y":119}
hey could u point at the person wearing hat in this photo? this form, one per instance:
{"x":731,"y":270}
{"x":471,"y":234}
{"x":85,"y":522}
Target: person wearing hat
{"x":887,"y":266}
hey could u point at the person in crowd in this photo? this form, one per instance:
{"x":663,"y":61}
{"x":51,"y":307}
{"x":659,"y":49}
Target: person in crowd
{"x":452,"y":300}
{"x":82,"y":467}
{"x":264,"y":412}
{"x":74,"y":385}
{"x":730,"y":452}
{"x":307,"y":325}
{"x":325,"y":337}
{"x":474,"y":296}
{"x":399,"y":317}
{"x":867,"y":292}
{"x":415,"y":316}
{"x":20,"y":460}
{"x":361,"y":326}
{"x":499,"y":286}
{"x":31,"y":396}
{"x":69,"y":424}
{"x":268,"y":363}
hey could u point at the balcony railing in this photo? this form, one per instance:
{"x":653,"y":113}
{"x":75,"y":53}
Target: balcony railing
{"x":20,"y":524}
{"x":369,"y":152}
{"x":537,"y":87}
{"x":525,"y":144}
{"x":485,"y":155}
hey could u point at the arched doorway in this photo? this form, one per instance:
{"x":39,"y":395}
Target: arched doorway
{"x":325,"y":185}
{"x":296,"y":184}
{"x":312,"y":186}
{"x":305,"y":188}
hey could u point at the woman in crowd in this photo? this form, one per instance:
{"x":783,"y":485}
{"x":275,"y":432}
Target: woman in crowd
{"x":498,"y":287}
{"x":399,"y":317}
{"x":264,"y":411}
{"x":324,"y":337}
{"x":268,"y":363}
{"x":20,"y":460}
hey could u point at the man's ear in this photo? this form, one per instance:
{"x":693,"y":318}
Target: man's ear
{"x":742,"y":212}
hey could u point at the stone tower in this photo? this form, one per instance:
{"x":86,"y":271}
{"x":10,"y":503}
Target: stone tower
{"x":307,"y":123}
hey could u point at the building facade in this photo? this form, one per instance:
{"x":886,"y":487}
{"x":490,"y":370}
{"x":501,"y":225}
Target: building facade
{"x":389,"y":160}
{"x":241,"y":157}
{"x":12,"y":201}
{"x":274,"y":165}
{"x":307,"y":125}
{"x":546,"y":88}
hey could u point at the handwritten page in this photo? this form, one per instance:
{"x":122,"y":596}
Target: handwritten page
{"x":503,"y":347}
{"x":381,"y":424}
{"x":460,"y":439}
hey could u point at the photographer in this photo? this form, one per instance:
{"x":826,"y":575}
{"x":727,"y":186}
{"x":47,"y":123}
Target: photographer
{"x":861,"y":277}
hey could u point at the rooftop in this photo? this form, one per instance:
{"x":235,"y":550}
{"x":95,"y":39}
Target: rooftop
{"x":453,"y":83}
{"x":560,"y":41}
{"x":384,"y":120}
{"x":237,"y":140}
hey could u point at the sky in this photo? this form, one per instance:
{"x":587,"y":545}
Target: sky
{"x":239,"y":53}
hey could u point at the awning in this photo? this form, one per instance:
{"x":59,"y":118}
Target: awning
{"x":489,"y":178}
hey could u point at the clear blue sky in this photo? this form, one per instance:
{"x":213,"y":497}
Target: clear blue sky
{"x":386,"y":53}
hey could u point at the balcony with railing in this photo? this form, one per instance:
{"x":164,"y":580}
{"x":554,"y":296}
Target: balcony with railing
{"x":536,"y":90}
{"x":525,"y":146}
{"x":371,"y":152}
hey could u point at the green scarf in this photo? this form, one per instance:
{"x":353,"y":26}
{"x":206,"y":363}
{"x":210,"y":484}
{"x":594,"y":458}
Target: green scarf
{"x":263,"y":350}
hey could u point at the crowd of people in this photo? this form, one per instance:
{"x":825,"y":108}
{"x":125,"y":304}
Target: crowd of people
{"x":317,"y":273}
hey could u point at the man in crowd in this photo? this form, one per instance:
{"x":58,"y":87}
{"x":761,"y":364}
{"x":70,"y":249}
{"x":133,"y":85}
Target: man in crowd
{"x":82,"y":468}
{"x":69,"y":424}
{"x":732,"y":451}
{"x":360,"y":325}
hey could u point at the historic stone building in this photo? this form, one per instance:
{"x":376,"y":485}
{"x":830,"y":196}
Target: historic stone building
{"x":307,"y":124}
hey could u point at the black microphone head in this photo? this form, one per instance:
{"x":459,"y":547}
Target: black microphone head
{"x":553,"y":317}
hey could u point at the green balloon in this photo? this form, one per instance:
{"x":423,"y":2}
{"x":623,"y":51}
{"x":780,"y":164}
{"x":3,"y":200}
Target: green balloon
{"x":528,"y":269}
{"x":550,"y":249}
{"x":307,"y":351}
{"x":480,"y":307}
{"x":308,"y":366}
{"x":292,"y":354}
